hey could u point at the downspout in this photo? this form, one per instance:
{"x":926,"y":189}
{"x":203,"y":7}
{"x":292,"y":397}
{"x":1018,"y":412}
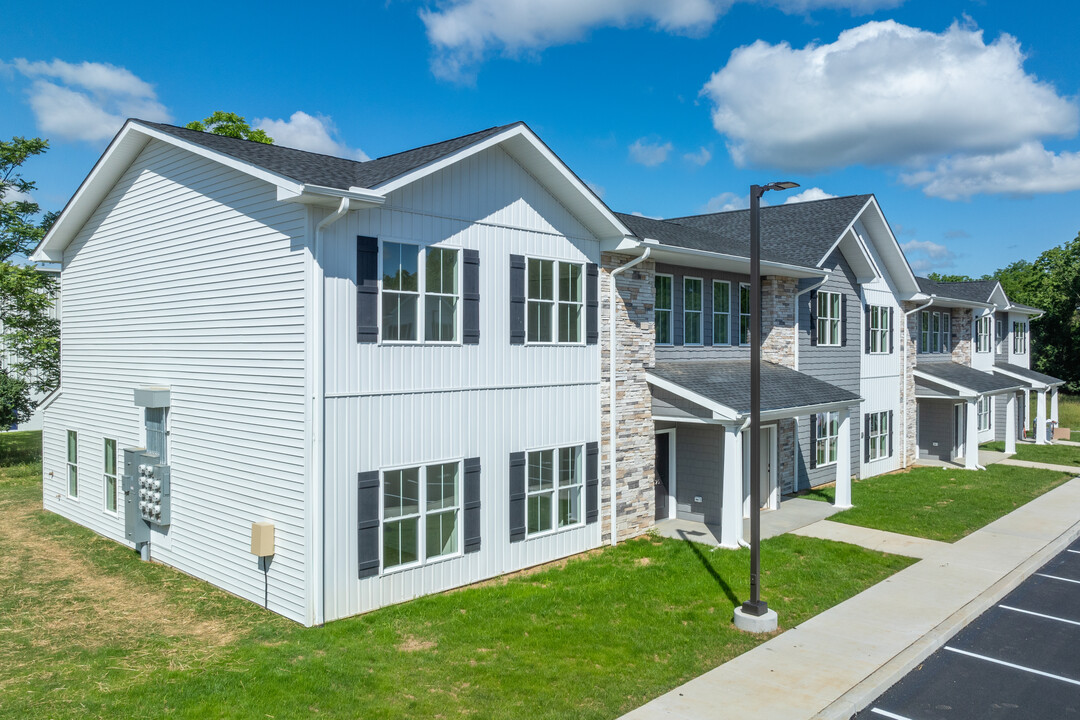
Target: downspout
{"x":906,"y":343}
{"x":611,"y":385}
{"x":318,"y":414}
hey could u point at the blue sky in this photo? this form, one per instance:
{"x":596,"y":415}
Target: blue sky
{"x":961,"y":116}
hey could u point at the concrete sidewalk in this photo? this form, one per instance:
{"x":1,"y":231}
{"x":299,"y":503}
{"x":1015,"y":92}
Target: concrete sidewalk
{"x":880,"y":540}
{"x":1043,"y":466}
{"x":836,"y":662}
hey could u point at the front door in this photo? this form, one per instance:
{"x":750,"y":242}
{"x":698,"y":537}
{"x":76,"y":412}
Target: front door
{"x":663,"y":450}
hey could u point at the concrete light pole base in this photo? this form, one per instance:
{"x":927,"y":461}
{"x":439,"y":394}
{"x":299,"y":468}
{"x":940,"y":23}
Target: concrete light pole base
{"x":755,"y":623}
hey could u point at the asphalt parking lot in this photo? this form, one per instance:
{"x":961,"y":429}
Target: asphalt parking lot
{"x":1019,"y":659}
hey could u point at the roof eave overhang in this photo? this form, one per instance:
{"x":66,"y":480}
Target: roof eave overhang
{"x":331,"y":197}
{"x":720,"y":411}
{"x":965,"y":392}
{"x":703,"y":258}
{"x":1027,"y":382}
{"x":1032,"y":313}
{"x":799,"y":411}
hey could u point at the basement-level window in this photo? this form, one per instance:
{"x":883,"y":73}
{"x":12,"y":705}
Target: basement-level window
{"x":828,"y":435}
{"x":554,"y":482}
{"x":662,"y":310}
{"x":73,"y":463}
{"x":420,"y":513}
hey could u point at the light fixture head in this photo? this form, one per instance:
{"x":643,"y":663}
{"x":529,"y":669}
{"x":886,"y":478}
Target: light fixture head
{"x":782,"y":185}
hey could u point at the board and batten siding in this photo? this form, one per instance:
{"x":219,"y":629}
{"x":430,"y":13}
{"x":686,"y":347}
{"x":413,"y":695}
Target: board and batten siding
{"x":406,"y":405}
{"x":191,"y":275}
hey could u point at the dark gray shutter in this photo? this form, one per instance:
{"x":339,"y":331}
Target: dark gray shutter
{"x":517,"y":496}
{"x":592,"y":303}
{"x":866,"y":322}
{"x":890,"y":433}
{"x":470,"y":296}
{"x":892,"y":332}
{"x":843,"y":319}
{"x":517,"y":299}
{"x":367,"y":525}
{"x":813,"y":317}
{"x":592,"y":482}
{"x":813,"y":442}
{"x":472,"y":504}
{"x":367,"y":290}
{"x":866,"y":437}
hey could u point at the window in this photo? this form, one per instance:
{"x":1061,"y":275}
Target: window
{"x":546,"y":322}
{"x":541,"y":297}
{"x":984,"y":412}
{"x":73,"y":463}
{"x":550,"y":504}
{"x":441,"y":295}
{"x":828,"y":433}
{"x":692,"y":311}
{"x":420,"y":519}
{"x":935,"y":329}
{"x":400,"y":291}
{"x":828,"y":318}
{"x":879,"y":329}
{"x":1019,"y":338}
{"x":879,"y":435}
{"x":744,"y":314}
{"x":721,"y":303}
{"x":946,"y":333}
{"x":110,"y":475}
{"x":1000,"y":330}
{"x":570,"y":302}
{"x":982,"y":334}
{"x":662,"y":310}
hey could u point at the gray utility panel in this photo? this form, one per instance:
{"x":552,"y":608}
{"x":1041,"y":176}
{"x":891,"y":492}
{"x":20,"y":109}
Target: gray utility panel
{"x":147,"y":493}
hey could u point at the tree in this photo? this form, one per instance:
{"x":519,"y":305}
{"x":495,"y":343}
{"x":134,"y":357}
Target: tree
{"x":230,"y":125}
{"x":941,"y":277}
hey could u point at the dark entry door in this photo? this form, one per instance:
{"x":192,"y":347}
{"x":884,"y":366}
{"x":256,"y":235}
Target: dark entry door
{"x":663,"y":449}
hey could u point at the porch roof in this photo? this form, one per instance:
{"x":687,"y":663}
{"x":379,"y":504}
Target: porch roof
{"x":964,"y":379}
{"x":723,"y":386}
{"x":1027,"y":377}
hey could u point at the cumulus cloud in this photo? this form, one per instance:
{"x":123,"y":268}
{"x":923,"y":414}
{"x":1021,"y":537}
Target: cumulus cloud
{"x":726,"y":202}
{"x":814,"y":193}
{"x":463,"y":32}
{"x":883,"y":93}
{"x":925,"y":255}
{"x":1029,"y":169}
{"x":599,"y":190}
{"x":87,"y":101}
{"x":649,"y":153}
{"x":700,"y":158}
{"x":314,"y":133}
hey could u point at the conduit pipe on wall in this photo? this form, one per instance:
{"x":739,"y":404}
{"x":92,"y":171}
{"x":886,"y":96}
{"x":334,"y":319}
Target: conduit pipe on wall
{"x":906,"y":343}
{"x":611,"y":384}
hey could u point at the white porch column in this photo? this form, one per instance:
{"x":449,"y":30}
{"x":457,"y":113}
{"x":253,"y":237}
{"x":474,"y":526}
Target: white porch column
{"x":1027,"y":411}
{"x":843,"y":461}
{"x":731,"y":512}
{"x":971,"y":442}
{"x":1010,"y":424}
{"x":1040,"y":419}
{"x":1054,"y":404}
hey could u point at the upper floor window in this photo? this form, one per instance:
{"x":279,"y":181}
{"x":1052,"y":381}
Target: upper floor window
{"x":828,"y":318}
{"x":721,"y":323}
{"x":420,"y":513}
{"x":554,"y":489}
{"x":1000,"y":330}
{"x":662,"y":310}
{"x":982,"y":334}
{"x":879,"y":329}
{"x":406,"y":269}
{"x":555,"y":299}
{"x":441,"y":295}
{"x":934,"y":329}
{"x":744,"y":314}
{"x":400,"y":291}
{"x":692,"y":304}
{"x":570,"y":302}
{"x":1019,"y":338}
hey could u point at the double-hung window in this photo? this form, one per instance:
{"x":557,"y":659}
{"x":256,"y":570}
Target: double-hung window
{"x":110,"y":475}
{"x":553,"y":489}
{"x":984,"y":412}
{"x":879,"y":329}
{"x":1019,"y":338}
{"x":721,"y":315}
{"x":555,"y":299}
{"x":73,"y":463}
{"x":420,"y":289}
{"x":692,"y":311}
{"x":744,"y":314}
{"x":421,"y":511}
{"x":400,"y":291}
{"x":570,"y":302}
{"x":828,"y":318}
{"x":441,"y":295}
{"x":1000,"y":330}
{"x":662,"y":310}
{"x":982,"y":334}
{"x":935,"y":331}
{"x":827,"y":437}
{"x":879,"y":435}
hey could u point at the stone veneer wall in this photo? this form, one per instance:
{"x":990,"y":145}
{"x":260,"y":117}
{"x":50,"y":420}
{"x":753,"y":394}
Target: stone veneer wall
{"x":778,"y":331}
{"x":910,"y":338}
{"x":634,"y":443}
{"x":961,"y":332}
{"x":785,"y":455}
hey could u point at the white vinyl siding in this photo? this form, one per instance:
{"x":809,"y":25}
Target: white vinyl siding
{"x":721,"y":312}
{"x":829,"y":312}
{"x":662,"y":310}
{"x":692,"y":311}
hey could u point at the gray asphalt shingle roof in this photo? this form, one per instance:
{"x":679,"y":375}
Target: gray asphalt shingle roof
{"x":684,"y":236}
{"x":1028,"y":373}
{"x":971,"y":291}
{"x":325,"y":170}
{"x":727,"y":382}
{"x":967,"y":377}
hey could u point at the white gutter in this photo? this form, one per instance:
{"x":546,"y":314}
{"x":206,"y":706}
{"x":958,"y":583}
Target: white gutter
{"x":611,"y":384}
{"x":828,"y":274}
{"x":317,"y":535}
{"x":906,"y":343}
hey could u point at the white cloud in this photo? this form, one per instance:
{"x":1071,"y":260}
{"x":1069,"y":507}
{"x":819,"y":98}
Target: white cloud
{"x":726,"y":202}
{"x":463,"y":32}
{"x":649,"y":153}
{"x":314,"y":133}
{"x":814,"y":193}
{"x":87,"y":101}
{"x":882,"y":93}
{"x":600,"y":190}
{"x":699,"y":158}
{"x":931,"y":249}
{"x":643,"y":215}
{"x":1026,"y":170}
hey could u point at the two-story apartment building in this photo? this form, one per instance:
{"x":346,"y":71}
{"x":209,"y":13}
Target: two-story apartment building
{"x":447,"y":364}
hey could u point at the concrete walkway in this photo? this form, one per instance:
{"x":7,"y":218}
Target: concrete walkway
{"x":793,"y":514}
{"x":833,"y":664}
{"x":986,"y":457}
{"x":881,"y":540}
{"x":1073,"y":469}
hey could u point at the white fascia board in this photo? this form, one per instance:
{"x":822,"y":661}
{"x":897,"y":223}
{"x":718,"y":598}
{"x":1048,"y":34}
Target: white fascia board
{"x":947,"y":303}
{"x":735,"y":263}
{"x":851,"y":238}
{"x":1033,"y":314}
{"x":964,"y":392}
{"x":681,"y":419}
{"x":49,"y":399}
{"x":720,"y":412}
{"x":1027,"y":382}
{"x":783,"y":413}
{"x":840,"y":237}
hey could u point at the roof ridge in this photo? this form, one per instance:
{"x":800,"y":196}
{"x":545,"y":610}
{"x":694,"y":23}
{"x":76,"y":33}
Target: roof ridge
{"x":441,"y":142}
{"x":774,"y":207}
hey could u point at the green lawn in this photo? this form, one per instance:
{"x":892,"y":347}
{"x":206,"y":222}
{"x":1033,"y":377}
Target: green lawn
{"x":941,"y":503}
{"x":86,"y":630}
{"x":1054,"y":454}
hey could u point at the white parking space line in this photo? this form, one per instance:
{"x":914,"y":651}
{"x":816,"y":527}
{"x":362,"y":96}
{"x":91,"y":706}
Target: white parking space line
{"x":888,"y":714}
{"x":1055,"y":577}
{"x":1029,"y":612}
{"x":1011,"y":665}
{"x":1074,"y":551}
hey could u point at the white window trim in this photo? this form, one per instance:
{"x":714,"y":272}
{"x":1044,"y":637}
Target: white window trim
{"x":556,"y":263}
{"x":982,"y":331}
{"x":826,"y":438}
{"x":880,"y":333}
{"x":421,"y":541}
{"x":727,"y":315}
{"x":421,"y":285}
{"x":105,"y":477}
{"x":670,"y":310}
{"x":988,"y":414}
{"x":1019,"y":332}
{"x":700,"y":312}
{"x":748,"y":314}
{"x":882,"y":436}
{"x":69,"y":465}
{"x":555,"y":489}
{"x":839,"y":319}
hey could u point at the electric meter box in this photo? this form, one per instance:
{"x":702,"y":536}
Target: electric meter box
{"x":147,"y":494}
